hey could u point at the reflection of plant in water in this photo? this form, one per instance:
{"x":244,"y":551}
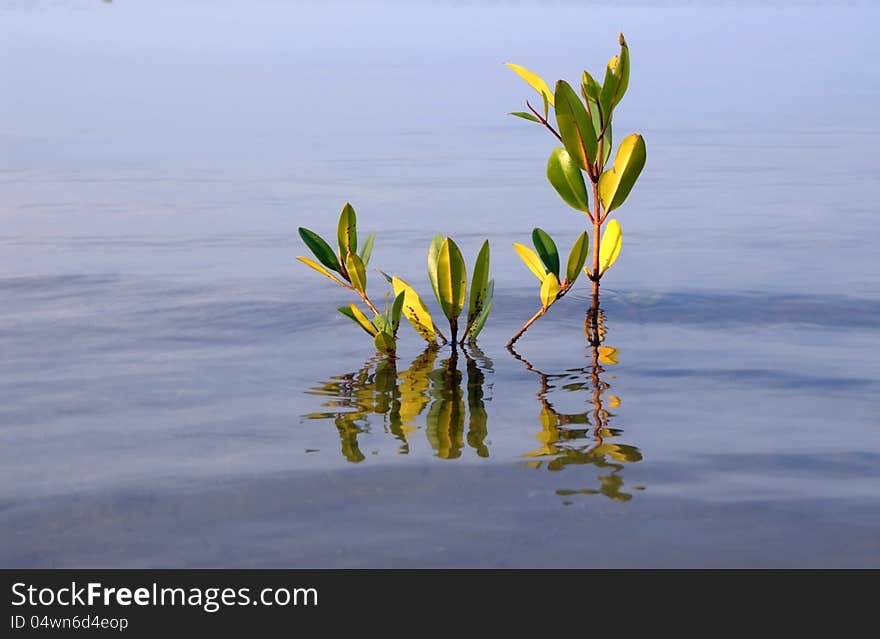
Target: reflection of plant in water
{"x":358,"y":399}
{"x":582,"y":438}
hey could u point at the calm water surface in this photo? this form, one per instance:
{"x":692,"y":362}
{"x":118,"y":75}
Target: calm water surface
{"x":175,"y":390}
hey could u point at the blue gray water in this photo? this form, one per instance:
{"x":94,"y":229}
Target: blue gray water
{"x":176,"y":390}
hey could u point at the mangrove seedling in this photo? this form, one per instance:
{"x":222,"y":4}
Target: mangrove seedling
{"x":350,"y":268}
{"x":448,"y":274}
{"x":543,"y":262}
{"x":583,"y":127}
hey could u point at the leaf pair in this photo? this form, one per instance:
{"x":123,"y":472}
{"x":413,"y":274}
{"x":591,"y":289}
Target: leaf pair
{"x":448,"y":274}
{"x":538,"y":84}
{"x":347,"y":263}
{"x":546,"y":267}
{"x":383,"y":327}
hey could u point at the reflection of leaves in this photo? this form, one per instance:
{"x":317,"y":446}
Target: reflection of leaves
{"x":477,"y":424}
{"x":577,"y":439}
{"x":348,"y":434}
{"x":608,"y":355}
{"x":413,"y":388}
{"x":619,"y":452}
{"x":400,"y":398}
{"x":445,"y":420}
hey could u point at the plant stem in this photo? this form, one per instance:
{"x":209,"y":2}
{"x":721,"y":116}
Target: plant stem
{"x":525,"y":327}
{"x":453,"y":330}
{"x":597,"y":233}
{"x":368,"y":302}
{"x":544,"y":122}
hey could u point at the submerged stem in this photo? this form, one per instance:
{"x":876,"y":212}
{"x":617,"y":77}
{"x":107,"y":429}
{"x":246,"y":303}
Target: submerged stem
{"x":526,"y":326}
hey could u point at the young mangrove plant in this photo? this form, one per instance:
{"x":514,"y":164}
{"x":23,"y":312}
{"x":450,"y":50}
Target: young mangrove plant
{"x":350,"y":268}
{"x":448,"y":275}
{"x":583,"y":127}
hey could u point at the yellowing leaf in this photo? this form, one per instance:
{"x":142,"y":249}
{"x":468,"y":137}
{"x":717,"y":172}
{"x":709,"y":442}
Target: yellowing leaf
{"x":415,"y":311}
{"x":346,"y":232}
{"x":451,"y":279}
{"x":549,"y":290}
{"x":384,"y":343}
{"x":613,"y":401}
{"x":535,"y":81}
{"x":354,"y":313}
{"x":610,"y":246}
{"x":616,"y":183}
{"x":357,"y":272}
{"x":531,"y":259}
{"x":323,"y":271}
{"x":608,"y":355}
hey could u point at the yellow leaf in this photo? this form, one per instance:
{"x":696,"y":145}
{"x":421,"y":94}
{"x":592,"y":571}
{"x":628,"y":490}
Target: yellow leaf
{"x":608,"y":355}
{"x":610,"y":246}
{"x":549,"y":290}
{"x":615,"y":185}
{"x":361,"y":319}
{"x":415,"y":311}
{"x":531,"y":259}
{"x":323,"y":271}
{"x":613,"y":401}
{"x":535,"y":81}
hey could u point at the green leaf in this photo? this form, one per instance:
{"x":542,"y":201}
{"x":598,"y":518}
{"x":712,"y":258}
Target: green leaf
{"x":385,"y":343}
{"x":320,"y":269}
{"x":575,"y":126}
{"x":433,"y":253}
{"x":622,"y":71}
{"x":396,"y":310}
{"x":590,"y":88}
{"x":367,"y":249}
{"x":346,"y":233}
{"x":321,"y":249}
{"x":479,"y":281}
{"x":609,"y":248}
{"x":381,"y":323}
{"x":549,"y":290}
{"x":451,"y":279}
{"x":577,"y":258}
{"x":531,"y":260}
{"x":354,"y":313}
{"x":480,"y":321}
{"x":525,"y":116}
{"x":615,"y":184}
{"x":567,"y":179}
{"x":607,"y":143}
{"x":609,"y":87}
{"x":535,"y":81}
{"x":415,"y":311}
{"x":616,"y":80}
{"x":546,"y":248}
{"x":357,"y":272}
